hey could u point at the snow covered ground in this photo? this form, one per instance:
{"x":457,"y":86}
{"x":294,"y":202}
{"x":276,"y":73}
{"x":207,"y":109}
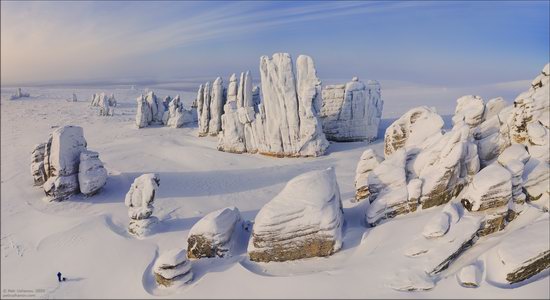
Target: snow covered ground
{"x":86,"y":238}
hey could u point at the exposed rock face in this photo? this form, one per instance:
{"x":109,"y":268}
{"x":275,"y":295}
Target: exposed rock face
{"x":304,"y":220}
{"x":139,"y":201}
{"x":351,"y":112}
{"x":37,"y":164}
{"x":413,"y":128}
{"x":19,"y":94}
{"x":525,"y":252}
{"x":61,"y":161}
{"x":92,"y":176}
{"x":212,"y":236}
{"x":172,"y":269}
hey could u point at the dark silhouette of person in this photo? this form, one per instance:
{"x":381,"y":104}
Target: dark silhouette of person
{"x":59,"y":276}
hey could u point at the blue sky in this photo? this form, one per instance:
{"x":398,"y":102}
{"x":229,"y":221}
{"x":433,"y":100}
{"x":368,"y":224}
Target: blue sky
{"x":456,"y":43}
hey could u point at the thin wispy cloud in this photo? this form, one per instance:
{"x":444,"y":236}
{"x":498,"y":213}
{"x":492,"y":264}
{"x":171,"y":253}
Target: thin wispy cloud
{"x":79,"y":40}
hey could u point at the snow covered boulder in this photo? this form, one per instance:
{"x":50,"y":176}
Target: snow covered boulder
{"x":304,"y":220}
{"x":290,"y":126}
{"x":469,"y":276}
{"x":139,"y":201}
{"x":470,"y":109}
{"x":175,"y":116}
{"x":172,"y":269}
{"x":62,"y":158}
{"x":212,"y":236}
{"x":92,"y":176}
{"x":526,"y":251}
{"x":351,"y":112}
{"x":37,"y":164}
{"x":19,"y":94}
{"x":156,"y":106}
{"x":412,"y":129}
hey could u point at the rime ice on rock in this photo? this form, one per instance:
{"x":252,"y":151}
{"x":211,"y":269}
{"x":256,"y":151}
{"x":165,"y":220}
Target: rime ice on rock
{"x":351,"y":112}
{"x":139,"y":201}
{"x":92,"y":176}
{"x":212,"y":236}
{"x":63,"y":166}
{"x":304,"y":220}
{"x":172,"y":269}
{"x":412,"y":129}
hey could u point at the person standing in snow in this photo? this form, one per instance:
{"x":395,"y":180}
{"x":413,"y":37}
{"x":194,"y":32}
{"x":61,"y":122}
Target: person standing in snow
{"x":59,"y":276}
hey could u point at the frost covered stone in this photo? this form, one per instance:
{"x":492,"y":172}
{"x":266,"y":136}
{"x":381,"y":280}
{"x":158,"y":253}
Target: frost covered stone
{"x":172,"y":269}
{"x":144,"y":115}
{"x":139,"y":201}
{"x":61,"y":161}
{"x":351,"y":112}
{"x":106,"y":103}
{"x":92,"y":176}
{"x":212,"y":236}
{"x":304,"y":220}
{"x":412,"y":129}
{"x":175,"y":116}
{"x":238,"y":114}
{"x":216,"y":107}
{"x":491,"y":187}
{"x":369,"y":160}
{"x":19,"y":94}
{"x":470,"y":110}
{"x":437,"y":226}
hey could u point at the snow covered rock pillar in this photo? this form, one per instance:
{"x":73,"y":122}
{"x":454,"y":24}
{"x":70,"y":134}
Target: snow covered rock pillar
{"x":216,"y":107}
{"x":139,"y":201}
{"x":62,"y":158}
{"x":304,"y":220}
{"x":212,"y":236}
{"x":37,"y":164}
{"x":291,"y":126}
{"x":351,"y":112}
{"x":231,"y":138}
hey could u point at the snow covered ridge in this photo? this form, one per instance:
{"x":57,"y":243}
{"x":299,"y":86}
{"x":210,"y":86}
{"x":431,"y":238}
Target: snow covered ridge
{"x":169,"y":112}
{"x":64,"y":167}
{"x":304,"y":220}
{"x":351,"y":112}
{"x":19,"y":94}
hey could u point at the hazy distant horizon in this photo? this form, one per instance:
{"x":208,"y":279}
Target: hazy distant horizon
{"x":449,"y":44}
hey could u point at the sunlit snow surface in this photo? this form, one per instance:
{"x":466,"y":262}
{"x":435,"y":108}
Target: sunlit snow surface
{"x":86,"y":238}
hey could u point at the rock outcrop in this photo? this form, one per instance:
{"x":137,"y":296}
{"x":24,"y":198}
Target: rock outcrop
{"x":212,"y":236}
{"x":19,"y":94}
{"x":351,"y":112}
{"x":304,"y":220}
{"x":210,"y":101}
{"x":169,"y":112}
{"x":139,"y":201}
{"x":172,"y":269}
{"x":284,"y":124}
{"x":64,"y":167}
{"x":412,"y":129}
{"x":106,"y":103}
